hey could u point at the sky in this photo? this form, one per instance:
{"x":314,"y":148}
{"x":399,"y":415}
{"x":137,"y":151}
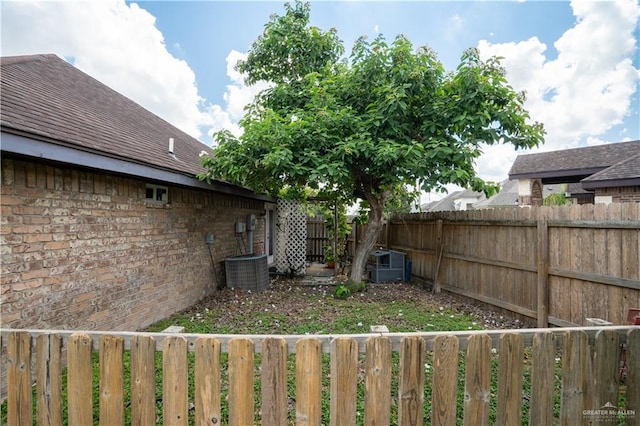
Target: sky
{"x":578,"y":61}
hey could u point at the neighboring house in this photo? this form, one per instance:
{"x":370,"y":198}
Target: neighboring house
{"x":506,"y":197}
{"x":104,"y":223}
{"x":458,"y":200}
{"x":604,"y":173}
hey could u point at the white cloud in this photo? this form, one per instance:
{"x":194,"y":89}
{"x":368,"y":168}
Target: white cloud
{"x":113,"y":42}
{"x":121,"y":46}
{"x":237,"y":95}
{"x":588,"y":88}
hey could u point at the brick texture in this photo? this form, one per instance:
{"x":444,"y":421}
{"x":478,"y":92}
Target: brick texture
{"x":626,"y":194}
{"x":83,"y":250}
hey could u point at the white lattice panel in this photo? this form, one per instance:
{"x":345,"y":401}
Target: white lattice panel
{"x":291,"y":237}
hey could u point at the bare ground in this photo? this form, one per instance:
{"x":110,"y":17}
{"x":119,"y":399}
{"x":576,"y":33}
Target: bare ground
{"x":296,"y":298}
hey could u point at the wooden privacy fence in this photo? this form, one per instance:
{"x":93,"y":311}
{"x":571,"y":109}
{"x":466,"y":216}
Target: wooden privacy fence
{"x":317,"y":239}
{"x":568,"y":376}
{"x":555,"y":265}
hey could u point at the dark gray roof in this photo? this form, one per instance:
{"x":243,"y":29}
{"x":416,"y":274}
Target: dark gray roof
{"x":506,"y":197}
{"x":576,"y":162}
{"x":46,"y":98}
{"x":624,"y":173}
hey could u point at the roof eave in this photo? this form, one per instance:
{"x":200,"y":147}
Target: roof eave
{"x":610,"y":183}
{"x":553,"y":174}
{"x":60,"y":153}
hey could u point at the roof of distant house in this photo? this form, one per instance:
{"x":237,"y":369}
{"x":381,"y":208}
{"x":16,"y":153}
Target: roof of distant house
{"x":506,"y":197}
{"x":449,"y":202}
{"x":573,"y":164}
{"x":624,"y":173}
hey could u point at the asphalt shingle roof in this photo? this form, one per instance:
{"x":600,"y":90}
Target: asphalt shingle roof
{"x":44,"y":97}
{"x":626,"y":169}
{"x":587,"y":160}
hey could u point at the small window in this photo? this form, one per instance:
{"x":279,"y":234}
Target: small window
{"x":157,"y":193}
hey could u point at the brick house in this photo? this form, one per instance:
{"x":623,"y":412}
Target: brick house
{"x":104,"y":223}
{"x":594,"y":174}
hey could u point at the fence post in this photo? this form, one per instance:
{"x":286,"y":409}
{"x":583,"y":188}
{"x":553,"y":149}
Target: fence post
{"x":438,"y":258}
{"x":542,"y":252}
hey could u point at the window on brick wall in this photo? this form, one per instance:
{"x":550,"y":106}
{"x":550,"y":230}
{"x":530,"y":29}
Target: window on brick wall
{"x":157,"y":193}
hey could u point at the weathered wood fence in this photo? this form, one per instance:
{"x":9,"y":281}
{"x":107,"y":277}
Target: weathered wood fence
{"x":573,"y":376}
{"x":317,"y":239}
{"x":554,"y":265}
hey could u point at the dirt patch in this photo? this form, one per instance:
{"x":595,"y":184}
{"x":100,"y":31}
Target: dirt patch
{"x":298,"y":300}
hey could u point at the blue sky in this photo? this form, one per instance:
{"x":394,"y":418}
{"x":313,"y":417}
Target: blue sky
{"x":578,"y":61}
{"x":204,"y":32}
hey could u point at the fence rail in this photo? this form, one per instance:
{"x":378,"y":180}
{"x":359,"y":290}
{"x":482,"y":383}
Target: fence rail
{"x":423,"y":366}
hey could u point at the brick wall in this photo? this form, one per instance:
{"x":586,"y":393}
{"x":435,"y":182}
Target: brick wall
{"x":622,"y":194}
{"x":83,"y":250}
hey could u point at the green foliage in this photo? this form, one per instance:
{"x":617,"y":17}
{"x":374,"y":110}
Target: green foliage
{"x":556,"y":199}
{"x":344,"y":290}
{"x":341,"y":292}
{"x":388,"y":117}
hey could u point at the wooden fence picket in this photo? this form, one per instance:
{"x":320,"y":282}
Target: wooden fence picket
{"x":308,"y":381}
{"x":20,"y":411}
{"x":576,"y":367}
{"x":590,"y":356}
{"x":274,"y":381}
{"x":111,"y":401}
{"x":445,"y":380}
{"x":377,"y":397}
{"x":477,"y":390}
{"x":344,"y":379}
{"x":174,"y":381}
{"x":606,"y":369}
{"x":241,"y":398}
{"x":207,"y":381}
{"x":542,"y":377}
{"x":49,"y":379}
{"x":79,"y":379}
{"x":632,"y":369}
{"x":143,"y":380}
{"x":411,"y":385}
{"x":510,"y":368}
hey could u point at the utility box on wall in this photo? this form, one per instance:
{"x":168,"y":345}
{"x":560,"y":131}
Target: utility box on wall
{"x":386,"y":265}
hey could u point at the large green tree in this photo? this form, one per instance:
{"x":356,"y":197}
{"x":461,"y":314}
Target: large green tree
{"x":361,"y":127}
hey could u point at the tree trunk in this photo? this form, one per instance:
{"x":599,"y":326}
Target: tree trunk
{"x":371,"y":233}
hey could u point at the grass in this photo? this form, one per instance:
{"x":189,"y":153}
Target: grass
{"x":292,"y":309}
